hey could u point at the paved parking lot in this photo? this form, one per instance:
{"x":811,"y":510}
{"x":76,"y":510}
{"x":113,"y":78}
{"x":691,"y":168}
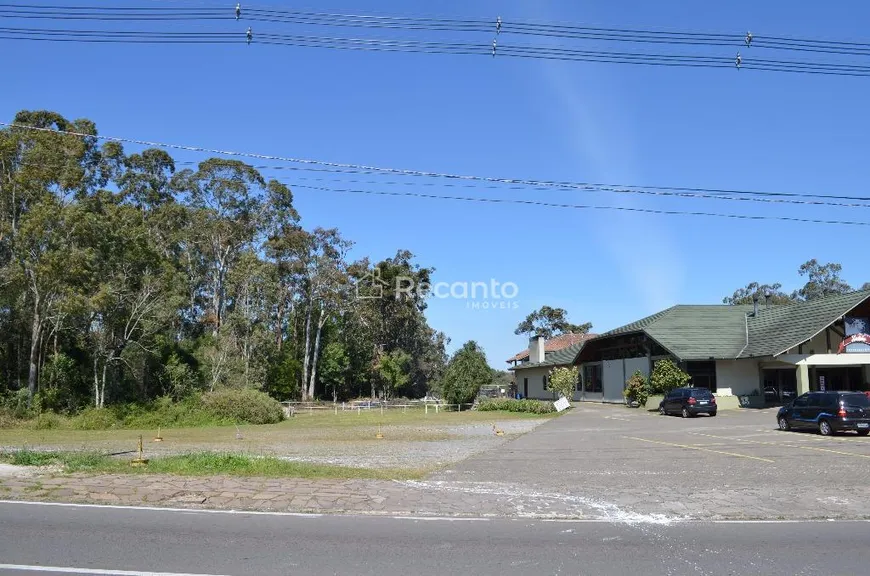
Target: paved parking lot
{"x":736,"y":465}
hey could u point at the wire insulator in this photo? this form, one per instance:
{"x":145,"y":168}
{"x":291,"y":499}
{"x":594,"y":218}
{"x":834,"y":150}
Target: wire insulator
{"x":238,"y":10}
{"x":494,"y":44}
{"x":739,"y":60}
{"x":498,"y":25}
{"x":748,"y":38}
{"x":250,"y":35}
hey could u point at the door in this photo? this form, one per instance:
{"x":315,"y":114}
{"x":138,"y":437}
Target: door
{"x":674,"y":401}
{"x":794,"y":416}
{"x":815,"y":404}
{"x":525,"y":387}
{"x":666,"y":403}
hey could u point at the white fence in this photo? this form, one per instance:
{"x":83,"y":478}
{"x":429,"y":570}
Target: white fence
{"x":360,"y":407}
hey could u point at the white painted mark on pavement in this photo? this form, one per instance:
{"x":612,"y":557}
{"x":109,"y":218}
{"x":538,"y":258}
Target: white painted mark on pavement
{"x":68,"y":570}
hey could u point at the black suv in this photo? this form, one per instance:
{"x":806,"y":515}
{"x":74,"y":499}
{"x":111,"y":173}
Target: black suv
{"x":827,"y":412}
{"x":689,"y":402}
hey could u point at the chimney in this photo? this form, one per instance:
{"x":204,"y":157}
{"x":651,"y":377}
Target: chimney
{"x":755,"y":305}
{"x":536,"y":349}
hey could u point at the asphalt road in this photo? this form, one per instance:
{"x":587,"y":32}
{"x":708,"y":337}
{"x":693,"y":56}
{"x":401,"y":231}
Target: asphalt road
{"x":51,"y":539}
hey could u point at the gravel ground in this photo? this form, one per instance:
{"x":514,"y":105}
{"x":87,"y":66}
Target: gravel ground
{"x":404,"y":446}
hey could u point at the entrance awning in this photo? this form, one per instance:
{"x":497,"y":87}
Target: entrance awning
{"x":826,"y":359}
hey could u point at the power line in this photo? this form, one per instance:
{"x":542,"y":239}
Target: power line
{"x":416,"y":23}
{"x":403,"y":172}
{"x":415,"y":46}
{"x":582,"y":206}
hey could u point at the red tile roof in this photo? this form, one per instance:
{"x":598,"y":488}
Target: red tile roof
{"x":555,"y":344}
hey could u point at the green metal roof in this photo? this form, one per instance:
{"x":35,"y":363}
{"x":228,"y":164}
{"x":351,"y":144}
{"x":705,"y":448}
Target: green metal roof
{"x":692,"y":332}
{"x":562,"y":357}
{"x":781,"y":328}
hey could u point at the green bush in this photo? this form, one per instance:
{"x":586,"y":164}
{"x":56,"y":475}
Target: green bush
{"x":636,"y":389}
{"x":49,"y":421}
{"x":96,"y":419}
{"x":666,"y":376}
{"x":563,"y":381}
{"x":14,"y":404}
{"x":243,"y":406}
{"x":511,"y":405}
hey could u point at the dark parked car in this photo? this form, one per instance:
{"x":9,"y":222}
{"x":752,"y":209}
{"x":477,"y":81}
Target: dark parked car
{"x":689,"y":402}
{"x":827,"y":412}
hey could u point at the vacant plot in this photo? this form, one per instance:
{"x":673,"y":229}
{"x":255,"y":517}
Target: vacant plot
{"x":412,"y":441}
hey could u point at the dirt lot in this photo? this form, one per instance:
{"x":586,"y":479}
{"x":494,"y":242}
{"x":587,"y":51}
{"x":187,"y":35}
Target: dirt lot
{"x":411,"y":440}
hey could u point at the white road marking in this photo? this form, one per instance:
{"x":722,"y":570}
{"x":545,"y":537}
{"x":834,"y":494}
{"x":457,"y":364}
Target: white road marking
{"x":68,"y":570}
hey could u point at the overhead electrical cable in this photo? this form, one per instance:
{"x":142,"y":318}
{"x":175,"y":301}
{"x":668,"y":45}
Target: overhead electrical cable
{"x":583,"y":206}
{"x":505,"y":26}
{"x":403,"y":172}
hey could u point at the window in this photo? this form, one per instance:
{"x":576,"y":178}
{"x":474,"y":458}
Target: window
{"x":830,"y":401}
{"x":858,"y":400}
{"x":816,"y":399}
{"x":802,"y":401}
{"x":545,"y":381}
{"x":592,"y":378}
{"x":701,"y":393}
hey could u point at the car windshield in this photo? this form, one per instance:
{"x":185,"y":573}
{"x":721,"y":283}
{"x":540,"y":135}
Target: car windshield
{"x":859,"y":400}
{"x":701,"y":393}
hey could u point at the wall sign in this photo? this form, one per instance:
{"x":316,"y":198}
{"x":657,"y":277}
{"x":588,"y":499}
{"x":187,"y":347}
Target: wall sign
{"x":857,"y":335}
{"x":862,"y":340}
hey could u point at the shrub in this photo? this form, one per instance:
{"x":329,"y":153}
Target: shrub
{"x":49,"y":421}
{"x":243,"y":406}
{"x":15,"y":404}
{"x":636,"y":389}
{"x":563,"y":381}
{"x":96,"y":419}
{"x":666,"y":376}
{"x":511,"y":405}
{"x":465,"y":374}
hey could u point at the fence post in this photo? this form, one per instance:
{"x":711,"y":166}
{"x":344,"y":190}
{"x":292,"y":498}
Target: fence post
{"x":427,"y":409}
{"x":459,"y":407}
{"x":436,"y":408}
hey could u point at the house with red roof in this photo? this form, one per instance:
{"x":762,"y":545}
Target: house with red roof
{"x":532,"y":366}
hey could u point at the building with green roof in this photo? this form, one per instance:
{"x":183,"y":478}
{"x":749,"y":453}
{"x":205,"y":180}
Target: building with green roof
{"x":773,"y":351}
{"x":755,"y":350}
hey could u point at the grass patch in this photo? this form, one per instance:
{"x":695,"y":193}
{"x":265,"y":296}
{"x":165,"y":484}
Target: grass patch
{"x":204,"y":464}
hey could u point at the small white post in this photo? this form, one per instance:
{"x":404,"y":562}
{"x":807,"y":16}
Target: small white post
{"x":427,"y":409}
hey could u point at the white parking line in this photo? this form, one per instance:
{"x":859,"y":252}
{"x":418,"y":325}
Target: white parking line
{"x":109,"y":572}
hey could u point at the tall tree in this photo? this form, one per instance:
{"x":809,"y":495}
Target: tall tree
{"x":466,"y":372}
{"x":771,"y":293}
{"x":822,"y":280}
{"x":549,"y":322}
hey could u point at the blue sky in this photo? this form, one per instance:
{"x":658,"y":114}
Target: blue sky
{"x":515,"y":118}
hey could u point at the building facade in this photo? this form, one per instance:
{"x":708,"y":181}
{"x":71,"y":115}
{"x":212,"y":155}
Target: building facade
{"x":743,"y":351}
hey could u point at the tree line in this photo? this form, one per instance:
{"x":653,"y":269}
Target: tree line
{"x":821,"y":280}
{"x":123,"y":278}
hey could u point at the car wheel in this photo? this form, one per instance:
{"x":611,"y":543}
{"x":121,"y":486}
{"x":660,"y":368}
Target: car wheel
{"x":713,"y":413}
{"x":825,"y":428}
{"x":662,"y":411}
{"x":685,"y":413}
{"x":863,"y":432}
{"x":784,"y":425}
